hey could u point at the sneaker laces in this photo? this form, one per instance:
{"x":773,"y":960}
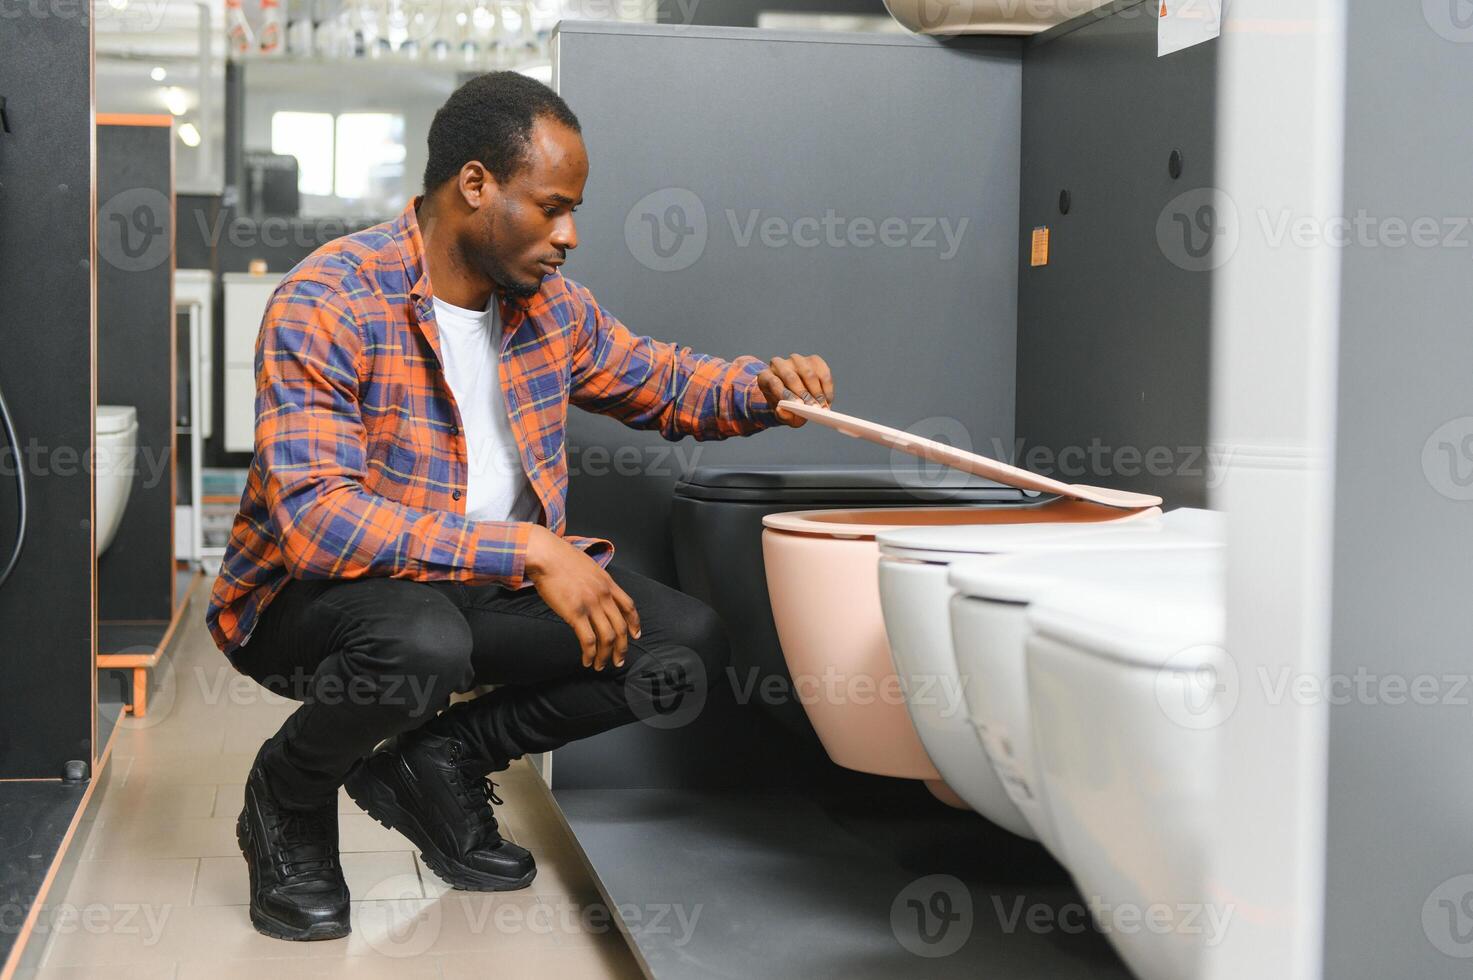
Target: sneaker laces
{"x":306,"y":841}
{"x":477,"y":791}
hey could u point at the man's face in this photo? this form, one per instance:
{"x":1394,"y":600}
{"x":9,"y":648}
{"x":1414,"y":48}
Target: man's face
{"x":524,"y":227}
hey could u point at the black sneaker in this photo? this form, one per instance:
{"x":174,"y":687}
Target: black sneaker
{"x":297,"y":887}
{"x":429,"y":789}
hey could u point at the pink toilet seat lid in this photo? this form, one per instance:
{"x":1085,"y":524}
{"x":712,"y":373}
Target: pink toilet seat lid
{"x":940,"y":452}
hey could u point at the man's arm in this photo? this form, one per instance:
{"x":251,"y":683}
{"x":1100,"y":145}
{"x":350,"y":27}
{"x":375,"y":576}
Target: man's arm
{"x":311,"y":445}
{"x":652,"y":384}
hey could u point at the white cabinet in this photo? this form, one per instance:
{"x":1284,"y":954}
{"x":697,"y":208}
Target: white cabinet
{"x":246,"y":297}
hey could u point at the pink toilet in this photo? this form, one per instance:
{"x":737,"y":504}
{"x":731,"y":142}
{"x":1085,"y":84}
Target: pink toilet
{"x":822,"y":579}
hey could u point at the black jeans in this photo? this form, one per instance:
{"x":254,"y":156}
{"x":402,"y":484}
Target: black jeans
{"x":370,"y":658}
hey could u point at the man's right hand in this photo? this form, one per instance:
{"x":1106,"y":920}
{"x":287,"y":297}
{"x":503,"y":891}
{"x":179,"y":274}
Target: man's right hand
{"x":576,"y":588}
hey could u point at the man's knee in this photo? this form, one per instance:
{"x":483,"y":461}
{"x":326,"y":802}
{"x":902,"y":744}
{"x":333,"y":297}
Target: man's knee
{"x":698,"y":629}
{"x":420,"y":656}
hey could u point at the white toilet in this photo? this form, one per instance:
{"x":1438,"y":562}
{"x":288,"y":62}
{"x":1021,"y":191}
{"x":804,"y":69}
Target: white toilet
{"x":974,"y":725}
{"x":1128,"y":684}
{"x":114,"y":467}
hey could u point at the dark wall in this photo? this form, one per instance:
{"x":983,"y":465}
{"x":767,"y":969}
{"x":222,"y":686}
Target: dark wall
{"x":135,"y":364}
{"x":1113,"y":333}
{"x":767,"y":126}
{"x":46,"y":297}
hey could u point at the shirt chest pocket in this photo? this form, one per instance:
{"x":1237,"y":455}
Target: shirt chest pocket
{"x":543,"y":414}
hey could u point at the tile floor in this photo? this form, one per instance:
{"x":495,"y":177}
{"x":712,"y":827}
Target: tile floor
{"x":160,"y":890}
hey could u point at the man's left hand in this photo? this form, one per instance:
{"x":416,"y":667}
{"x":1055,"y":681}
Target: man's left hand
{"x":805,"y":377}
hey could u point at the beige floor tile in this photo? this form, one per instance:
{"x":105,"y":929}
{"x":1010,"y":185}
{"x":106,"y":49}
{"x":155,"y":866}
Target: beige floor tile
{"x":120,"y":971}
{"x":357,"y":967}
{"x":154,"y":881}
{"x":603,"y":962}
{"x":189,"y":932}
{"x":161,"y":892}
{"x":455,"y":922}
{"x":360,"y":832}
{"x":226,"y":881}
{"x":146,"y":798}
{"x":562,"y":875}
{"x":207,"y":768}
{"x":125,"y":836}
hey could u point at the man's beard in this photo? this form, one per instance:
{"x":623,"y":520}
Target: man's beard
{"x":498,"y":273}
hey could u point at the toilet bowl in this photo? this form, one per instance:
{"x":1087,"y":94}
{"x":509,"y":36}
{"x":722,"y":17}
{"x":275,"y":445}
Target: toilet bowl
{"x":970,"y":711}
{"x":716,"y":528}
{"x":1129,"y":683}
{"x":822,"y":578}
{"x":113,"y":468}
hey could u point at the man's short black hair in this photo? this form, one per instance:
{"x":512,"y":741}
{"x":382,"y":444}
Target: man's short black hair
{"x":489,"y":119}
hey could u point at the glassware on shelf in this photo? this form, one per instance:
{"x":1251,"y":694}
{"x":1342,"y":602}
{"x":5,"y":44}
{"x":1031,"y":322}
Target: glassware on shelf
{"x":240,"y":39}
{"x":271,"y":28}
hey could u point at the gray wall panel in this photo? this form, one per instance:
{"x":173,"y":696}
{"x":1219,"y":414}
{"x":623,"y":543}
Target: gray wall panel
{"x":786,"y":126}
{"x":1400,"y":773}
{"x":1113,"y":333}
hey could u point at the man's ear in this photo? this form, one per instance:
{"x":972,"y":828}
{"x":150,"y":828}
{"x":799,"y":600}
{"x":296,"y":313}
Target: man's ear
{"x":477,"y":187}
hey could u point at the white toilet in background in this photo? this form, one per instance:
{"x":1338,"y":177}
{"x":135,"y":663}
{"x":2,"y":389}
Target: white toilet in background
{"x":968,"y":722}
{"x":1128,"y":683}
{"x":113,"y":467}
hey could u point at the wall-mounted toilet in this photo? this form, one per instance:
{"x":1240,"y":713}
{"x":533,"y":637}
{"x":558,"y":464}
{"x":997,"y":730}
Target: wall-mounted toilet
{"x":113,"y":468}
{"x":947,"y":710}
{"x":1129,"y":685}
{"x":823,"y":580}
{"x":983,"y":601}
{"x":716,"y":525}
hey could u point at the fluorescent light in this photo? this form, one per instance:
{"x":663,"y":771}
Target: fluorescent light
{"x":176,"y":100}
{"x":158,"y":74}
{"x":189,"y":134}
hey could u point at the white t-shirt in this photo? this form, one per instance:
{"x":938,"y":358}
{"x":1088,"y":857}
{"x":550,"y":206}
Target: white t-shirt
{"x":497,"y":488}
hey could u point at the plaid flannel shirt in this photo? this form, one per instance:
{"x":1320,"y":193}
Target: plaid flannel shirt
{"x":360,"y":463}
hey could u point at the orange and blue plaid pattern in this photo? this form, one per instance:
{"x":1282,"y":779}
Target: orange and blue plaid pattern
{"x":360,"y":463}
